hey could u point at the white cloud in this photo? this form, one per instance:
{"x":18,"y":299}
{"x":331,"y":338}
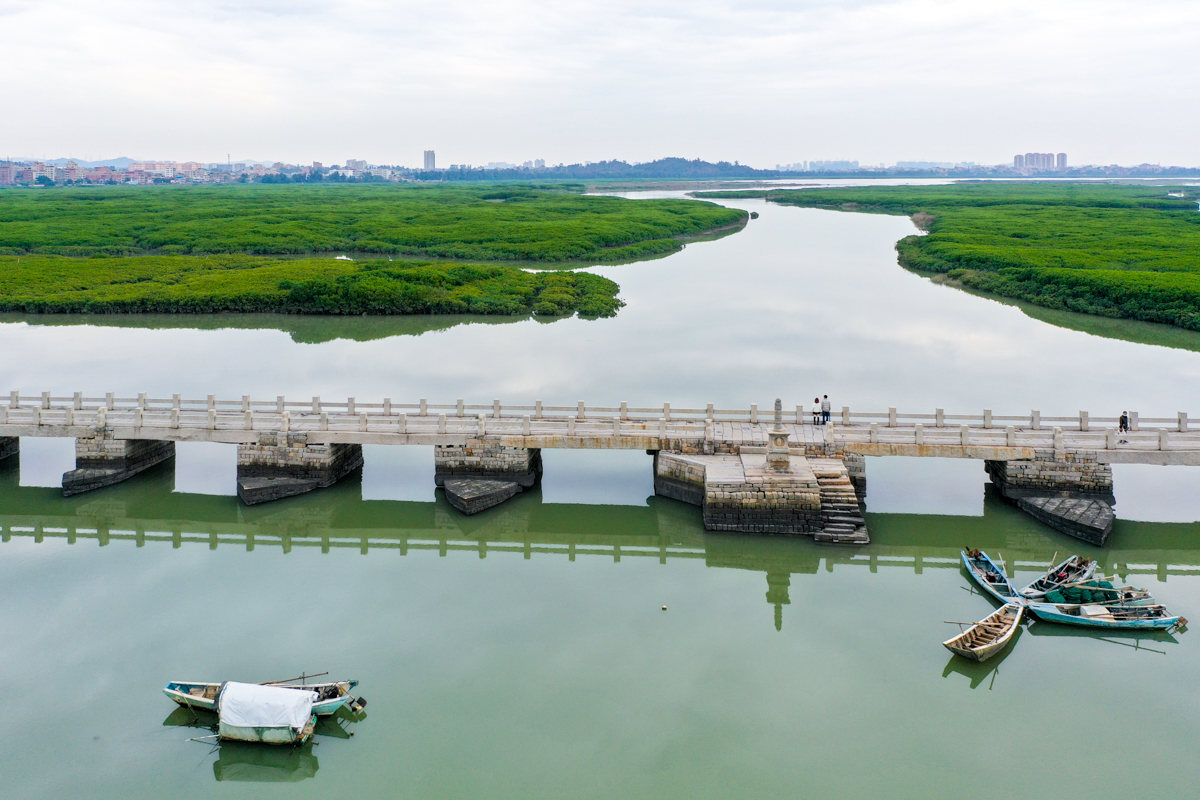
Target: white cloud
{"x":762,"y":82}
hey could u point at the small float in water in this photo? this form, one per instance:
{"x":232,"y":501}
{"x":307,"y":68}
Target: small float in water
{"x":989,"y":636}
{"x":251,"y":712}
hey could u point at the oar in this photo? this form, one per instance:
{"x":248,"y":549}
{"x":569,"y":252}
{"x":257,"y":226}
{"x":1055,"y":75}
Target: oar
{"x":289,"y":680}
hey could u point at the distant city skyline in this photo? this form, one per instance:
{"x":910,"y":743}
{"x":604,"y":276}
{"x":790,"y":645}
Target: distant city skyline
{"x":758,"y":82}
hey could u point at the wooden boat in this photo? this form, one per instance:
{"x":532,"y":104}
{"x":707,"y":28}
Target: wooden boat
{"x":1116,"y":616}
{"x":989,"y":636}
{"x":1073,"y":570}
{"x":990,"y":577}
{"x":252,"y":712}
{"x":331,"y":696}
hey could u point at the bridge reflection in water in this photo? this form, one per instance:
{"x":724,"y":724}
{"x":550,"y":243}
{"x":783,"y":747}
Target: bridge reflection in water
{"x":338,"y":518}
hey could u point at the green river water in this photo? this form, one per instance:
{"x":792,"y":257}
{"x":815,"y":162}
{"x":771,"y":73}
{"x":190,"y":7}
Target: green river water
{"x":524,"y":652}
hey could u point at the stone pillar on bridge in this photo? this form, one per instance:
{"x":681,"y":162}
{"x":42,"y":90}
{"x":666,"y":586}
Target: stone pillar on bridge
{"x":283,"y":464}
{"x":1070,"y":492}
{"x":101,"y":460}
{"x":482,"y":473}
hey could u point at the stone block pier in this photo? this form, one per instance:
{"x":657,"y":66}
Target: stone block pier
{"x":780,"y":474}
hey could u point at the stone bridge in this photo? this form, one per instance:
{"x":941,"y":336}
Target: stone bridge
{"x":776,"y":473}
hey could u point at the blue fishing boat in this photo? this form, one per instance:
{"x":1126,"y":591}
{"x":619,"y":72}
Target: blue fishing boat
{"x":1113,"y":617}
{"x":331,"y":696}
{"x":990,"y":577}
{"x":1075,"y":569}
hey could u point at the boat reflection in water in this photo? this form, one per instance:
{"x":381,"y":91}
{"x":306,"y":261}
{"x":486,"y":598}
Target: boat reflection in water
{"x":244,"y":761}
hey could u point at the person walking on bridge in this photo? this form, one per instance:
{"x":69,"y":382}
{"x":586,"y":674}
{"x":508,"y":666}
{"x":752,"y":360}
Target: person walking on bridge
{"x":825,"y":409}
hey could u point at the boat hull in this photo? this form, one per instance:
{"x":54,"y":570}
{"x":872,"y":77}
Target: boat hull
{"x":1004,"y":591}
{"x":1052,"y":613}
{"x":958,"y":645}
{"x":266,"y":735}
{"x":181,"y":693}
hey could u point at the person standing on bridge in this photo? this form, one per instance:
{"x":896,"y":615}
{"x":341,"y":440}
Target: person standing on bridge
{"x":816,"y":411}
{"x":825,"y":409}
{"x":1123,"y":423}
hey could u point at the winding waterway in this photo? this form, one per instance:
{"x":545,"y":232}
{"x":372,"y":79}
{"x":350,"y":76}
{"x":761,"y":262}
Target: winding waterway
{"x":525,"y":652}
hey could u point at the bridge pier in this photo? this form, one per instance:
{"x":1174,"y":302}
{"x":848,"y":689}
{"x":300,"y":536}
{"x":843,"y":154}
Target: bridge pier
{"x":103,"y":461}
{"x":743,"y":493}
{"x":1070,"y":492}
{"x":284,"y":464}
{"x":9,"y":446}
{"x":481,"y":473}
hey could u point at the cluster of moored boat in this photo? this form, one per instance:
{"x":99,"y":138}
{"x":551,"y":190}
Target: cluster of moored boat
{"x":277,"y":712}
{"x":1068,"y":593}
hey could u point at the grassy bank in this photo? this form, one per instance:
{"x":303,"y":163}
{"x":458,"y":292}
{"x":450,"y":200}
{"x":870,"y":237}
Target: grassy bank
{"x":497,"y":223}
{"x":241,"y":283}
{"x":1112,"y":250}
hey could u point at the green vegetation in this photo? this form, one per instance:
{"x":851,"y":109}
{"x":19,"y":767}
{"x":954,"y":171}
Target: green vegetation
{"x":506,"y":223}
{"x":56,"y":284}
{"x":237,"y":248}
{"x":1112,"y":250}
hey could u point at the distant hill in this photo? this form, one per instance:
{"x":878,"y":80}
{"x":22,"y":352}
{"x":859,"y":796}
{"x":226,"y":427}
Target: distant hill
{"x":663,"y":168}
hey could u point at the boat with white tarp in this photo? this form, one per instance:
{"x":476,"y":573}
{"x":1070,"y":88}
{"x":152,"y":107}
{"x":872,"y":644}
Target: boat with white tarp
{"x":249,"y":712}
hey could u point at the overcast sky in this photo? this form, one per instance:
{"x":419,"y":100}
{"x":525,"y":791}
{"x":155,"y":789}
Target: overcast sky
{"x":759,"y":81}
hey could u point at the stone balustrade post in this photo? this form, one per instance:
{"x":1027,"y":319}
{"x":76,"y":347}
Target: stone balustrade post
{"x":101,"y":418}
{"x":662,"y":428}
{"x":624,"y":409}
{"x":137,"y":418}
{"x":402,"y":423}
{"x":362,"y":421}
{"x":14,"y":399}
{"x":617,"y":428}
{"x":1035,"y":420}
{"x":245,"y":402}
{"x":79,"y":405}
{"x":1083,"y":420}
{"x":110,"y":402}
{"x":799,"y":414}
{"x":537,"y":409}
{"x":458,"y":412}
{"x":1183,"y":421}
{"x":279,"y":404}
{"x":45,"y":399}
{"x":892,"y":417}
{"x":483,"y":425}
{"x":987,"y":418}
{"x":1110,"y":438}
{"x":175,"y":417}
{"x":965,"y":432}
{"x":1133,"y":421}
{"x":176,"y":401}
{"x":1164,"y":442}
{"x":316,"y":404}
{"x":846,"y":416}
{"x":939,"y":417}
{"x":581,"y":412}
{"x":667,"y":412}
{"x":70,"y":418}
{"x":387,"y":406}
{"x":1010,"y":435}
{"x":441,"y":423}
{"x":424,"y":407}
{"x":141,"y":401}
{"x":874,"y":432}
{"x":495,"y":409}
{"x":250,"y":420}
{"x":1059,"y":447}
{"x":919,"y":433}
{"x":212,"y":402}
{"x":754,"y":412}
{"x":570,"y":426}
{"x":708,"y":430}
{"x":350,"y":407}
{"x":525,"y":427}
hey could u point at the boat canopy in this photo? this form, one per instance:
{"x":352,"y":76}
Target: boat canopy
{"x":248,"y":705}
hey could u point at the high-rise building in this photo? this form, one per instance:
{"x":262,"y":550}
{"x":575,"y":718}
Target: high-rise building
{"x":430,"y":161}
{"x":355,"y":163}
{"x":1018,"y":161}
{"x":539,"y":163}
{"x":1062,"y":161}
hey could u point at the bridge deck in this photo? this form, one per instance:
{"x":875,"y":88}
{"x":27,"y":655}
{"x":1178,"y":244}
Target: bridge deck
{"x":986,"y":436}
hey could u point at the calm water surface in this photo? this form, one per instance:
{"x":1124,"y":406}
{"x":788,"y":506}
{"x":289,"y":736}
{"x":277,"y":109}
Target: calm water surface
{"x":524,"y":652}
